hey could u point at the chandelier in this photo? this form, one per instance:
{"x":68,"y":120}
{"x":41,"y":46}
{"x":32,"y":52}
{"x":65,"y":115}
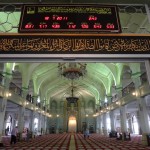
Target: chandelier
{"x":72,"y":99}
{"x":72,"y":70}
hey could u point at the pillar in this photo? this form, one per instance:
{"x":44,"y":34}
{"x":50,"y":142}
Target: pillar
{"x":109,"y":100}
{"x":101,"y":124}
{"x":123,"y":119}
{"x":104,"y":124}
{"x":44,"y":123}
{"x":22,"y":111}
{"x":30,"y":123}
{"x":21,"y":115}
{"x":130,"y":125}
{"x":147,"y":65}
{"x":143,"y":115}
{"x":35,"y":100}
{"x":33,"y":114}
{"x":6,"y":82}
{"x":24,"y":92}
{"x":119,"y":91}
{"x":98,"y":124}
{"x":143,"y":119}
{"x":112,"y":120}
{"x":40,"y":122}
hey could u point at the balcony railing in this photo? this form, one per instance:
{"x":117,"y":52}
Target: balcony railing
{"x":13,"y":87}
{"x":128,"y":89}
{"x":143,"y":78}
{"x":114,"y":98}
{"x":1,"y":79}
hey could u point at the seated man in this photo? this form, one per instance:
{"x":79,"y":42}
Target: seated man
{"x":119,"y":136}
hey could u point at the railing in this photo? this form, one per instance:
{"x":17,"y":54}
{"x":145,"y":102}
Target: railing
{"x":143,"y":78}
{"x":1,"y":79}
{"x":114,"y":98}
{"x":44,"y":108}
{"x":13,"y":87}
{"x":29,"y":98}
{"x":38,"y":104}
{"x":128,"y":89}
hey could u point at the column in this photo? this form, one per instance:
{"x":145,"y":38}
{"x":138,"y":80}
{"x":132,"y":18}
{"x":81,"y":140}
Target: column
{"x":143,"y":119}
{"x":123,"y":119}
{"x":33,"y":113}
{"x":109,"y":100}
{"x":44,"y":125}
{"x":79,"y":118}
{"x":40,"y":122}
{"x":119,"y":91}
{"x":48,"y":124}
{"x":6,"y":82}
{"x":35,"y":100}
{"x":104,"y":124}
{"x":101,"y":124}
{"x":98,"y":124}
{"x":30,"y":123}
{"x":24,"y":92}
{"x":112,"y":121}
{"x":21,"y":118}
{"x":22,"y":110}
{"x":130,"y":125}
{"x":147,"y":65}
{"x":136,"y":80}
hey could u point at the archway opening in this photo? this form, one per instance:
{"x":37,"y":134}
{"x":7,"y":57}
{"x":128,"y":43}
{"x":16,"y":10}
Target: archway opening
{"x":8,"y":125}
{"x":36,"y":124}
{"x":72,"y":124}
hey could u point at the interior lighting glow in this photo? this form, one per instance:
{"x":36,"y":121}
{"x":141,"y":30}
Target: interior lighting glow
{"x":13,"y":68}
{"x":134,"y":93}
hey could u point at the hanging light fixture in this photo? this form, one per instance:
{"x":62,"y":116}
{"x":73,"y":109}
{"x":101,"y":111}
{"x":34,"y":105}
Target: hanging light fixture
{"x":71,"y":70}
{"x":72,"y":99}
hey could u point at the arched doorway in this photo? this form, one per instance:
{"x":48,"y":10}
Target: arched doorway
{"x":72,"y":124}
{"x":36,"y":125}
{"x":8,"y":125}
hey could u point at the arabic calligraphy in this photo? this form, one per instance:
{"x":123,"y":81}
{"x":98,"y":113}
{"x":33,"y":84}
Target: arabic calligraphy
{"x":62,"y":45}
{"x":45,"y":9}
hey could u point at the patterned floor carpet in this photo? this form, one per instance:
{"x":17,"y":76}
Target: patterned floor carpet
{"x":97,"y":142}
{"x":62,"y":142}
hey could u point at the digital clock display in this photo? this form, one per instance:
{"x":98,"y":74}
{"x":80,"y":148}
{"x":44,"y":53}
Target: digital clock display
{"x":69,"y":18}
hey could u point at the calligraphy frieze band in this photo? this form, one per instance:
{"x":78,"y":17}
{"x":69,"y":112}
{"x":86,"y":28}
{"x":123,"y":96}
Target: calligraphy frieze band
{"x":46,"y":44}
